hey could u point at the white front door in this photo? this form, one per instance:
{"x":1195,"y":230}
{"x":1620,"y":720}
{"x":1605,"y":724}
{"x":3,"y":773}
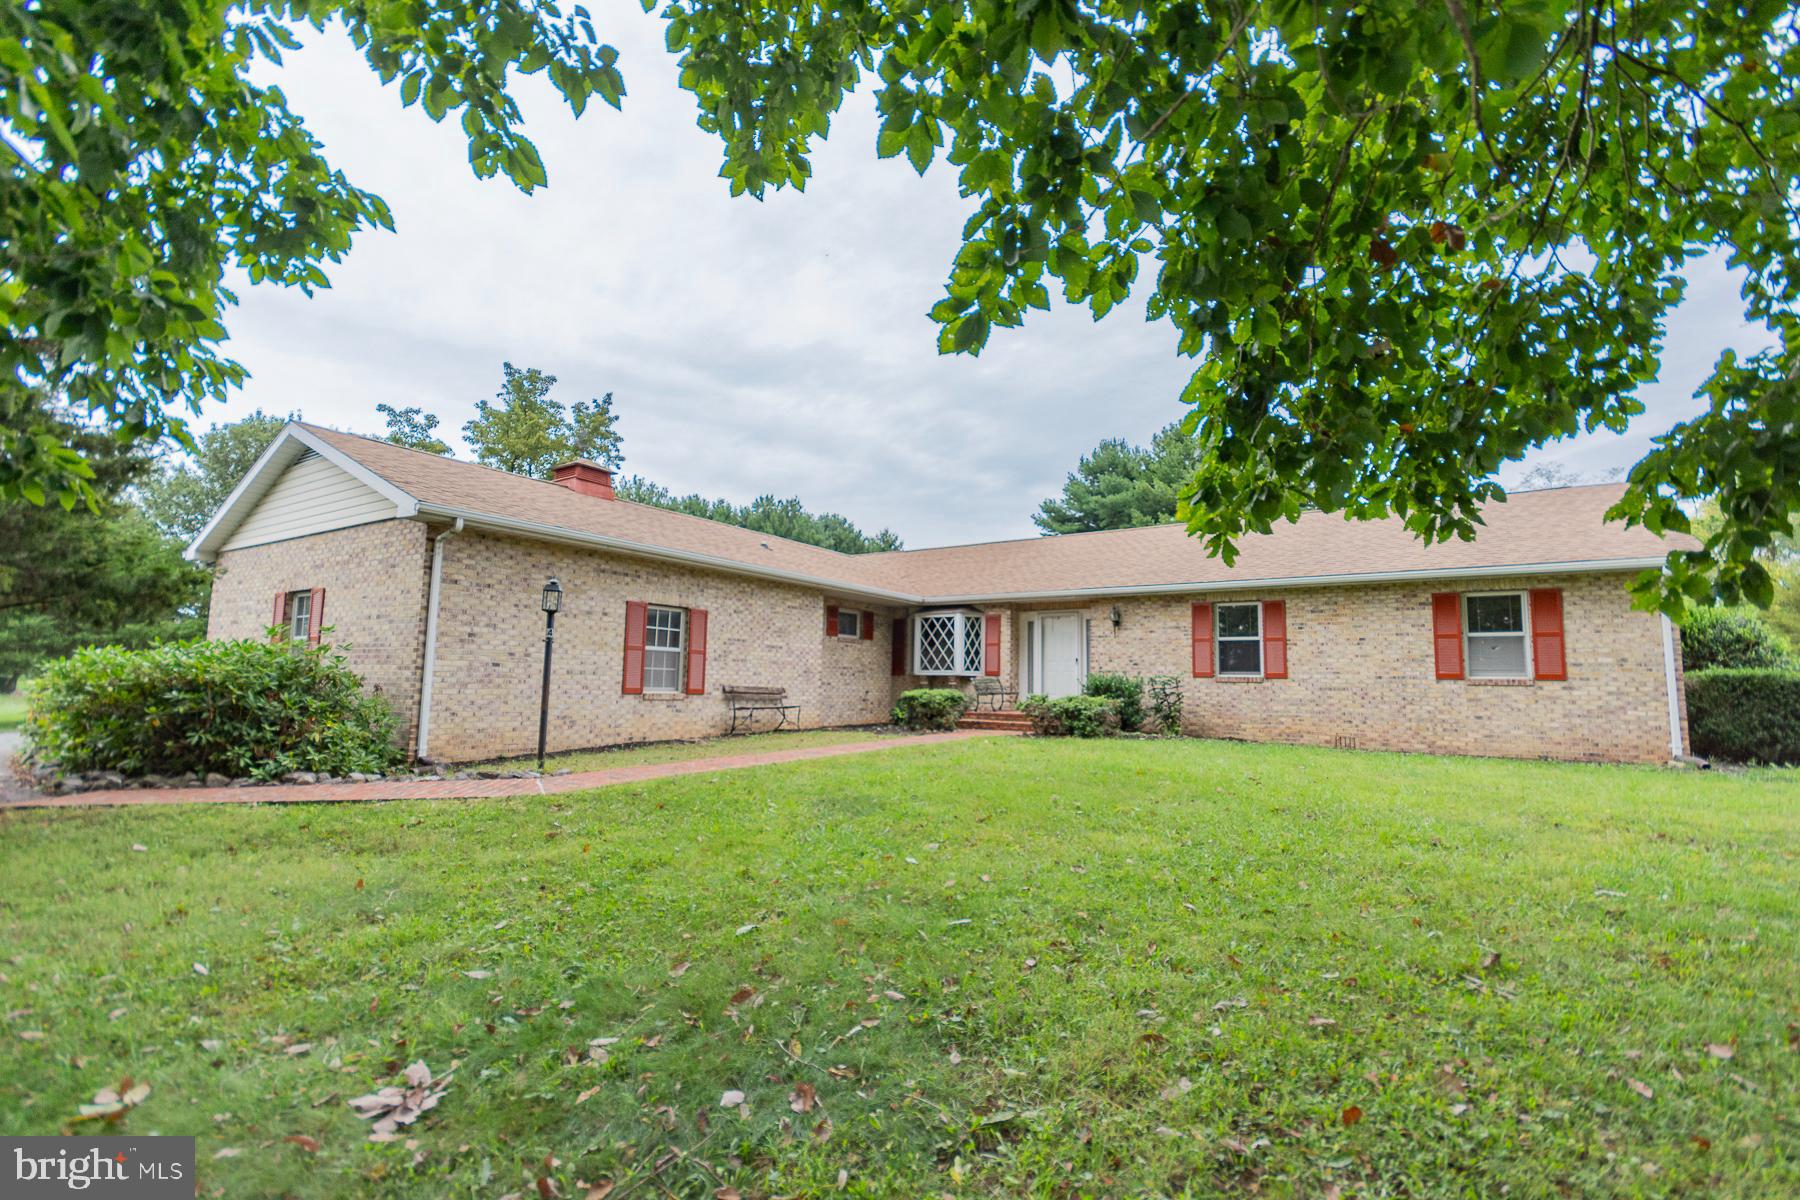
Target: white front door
{"x":1061,"y":671}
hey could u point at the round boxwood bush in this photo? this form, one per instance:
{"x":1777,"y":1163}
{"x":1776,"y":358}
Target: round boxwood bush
{"x":1733,"y":637}
{"x":1072,"y":716}
{"x":930,"y":708}
{"x":247,"y":709}
{"x":1128,"y":690}
{"x":1745,"y":716}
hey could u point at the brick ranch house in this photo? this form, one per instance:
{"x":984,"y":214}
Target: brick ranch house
{"x":1521,"y":643}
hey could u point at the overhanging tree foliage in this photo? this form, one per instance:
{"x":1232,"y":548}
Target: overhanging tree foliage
{"x":1409,"y":241}
{"x":138,"y":162}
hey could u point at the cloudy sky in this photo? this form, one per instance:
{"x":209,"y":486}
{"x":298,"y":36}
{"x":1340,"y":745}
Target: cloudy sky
{"x":779,"y":346}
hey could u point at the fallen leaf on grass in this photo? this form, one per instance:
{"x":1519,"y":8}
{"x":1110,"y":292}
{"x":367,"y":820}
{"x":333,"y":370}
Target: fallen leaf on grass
{"x":727,"y":1193}
{"x":1719,"y":1050}
{"x":679,"y":969}
{"x":308,"y":1144}
{"x":394,"y":1106}
{"x":479,"y":974}
{"x":299,"y":1048}
{"x":1641,"y":1088}
{"x":803,"y":1097}
{"x":111,"y":1104}
{"x":546,"y":1188}
{"x":1352,"y":1115}
{"x":742,"y":994}
{"x":139,"y":847}
{"x":600,"y":1191}
{"x":31,"y":1035}
{"x":201,"y":969}
{"x":587,"y":1095}
{"x":1319,"y":1022}
{"x":227,"y":1152}
{"x":1178,"y":1088}
{"x":115,"y":1014}
{"x":731,"y":1098}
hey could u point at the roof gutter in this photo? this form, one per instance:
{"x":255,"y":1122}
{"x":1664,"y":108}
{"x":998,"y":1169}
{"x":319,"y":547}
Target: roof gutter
{"x":1577,"y":567}
{"x":556,"y":533}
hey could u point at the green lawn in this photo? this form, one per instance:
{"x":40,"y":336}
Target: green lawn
{"x":1004,"y":967}
{"x":663,"y":752}
{"x":12,"y":711}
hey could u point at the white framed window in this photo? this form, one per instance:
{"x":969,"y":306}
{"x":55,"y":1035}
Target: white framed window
{"x":849,"y":623}
{"x":1238,"y":630}
{"x":947,"y":643}
{"x":299,"y":612}
{"x":1495,"y":644}
{"x":665,"y":640}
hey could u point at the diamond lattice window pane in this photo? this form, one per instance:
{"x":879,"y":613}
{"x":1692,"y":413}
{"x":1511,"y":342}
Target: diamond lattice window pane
{"x":937,"y":645}
{"x":972,"y":645}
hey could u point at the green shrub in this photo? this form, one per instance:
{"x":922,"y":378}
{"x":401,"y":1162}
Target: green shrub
{"x":1165,"y":703}
{"x":245,"y":709}
{"x":1745,"y":715}
{"x":1072,"y":716}
{"x":1128,"y":690}
{"x":930,"y":708}
{"x":1733,"y":637}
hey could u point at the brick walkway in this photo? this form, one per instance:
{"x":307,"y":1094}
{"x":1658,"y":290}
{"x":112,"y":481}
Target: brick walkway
{"x":469,"y":789}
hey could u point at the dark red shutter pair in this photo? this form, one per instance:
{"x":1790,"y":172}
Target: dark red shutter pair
{"x":315,"y":618}
{"x":866,"y":625}
{"x":1274,"y":640}
{"x":1548,"y":649}
{"x":637,"y":614}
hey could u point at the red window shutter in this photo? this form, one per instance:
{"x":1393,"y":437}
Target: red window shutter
{"x":636,"y":615}
{"x":897,"y":651}
{"x":868,"y":627}
{"x":1446,"y":634}
{"x":317,"y":621}
{"x":990,"y":645}
{"x":281,"y":615}
{"x":1203,"y":641}
{"x":696,"y":665}
{"x":1547,"y":652}
{"x":1274,"y":623}
{"x":831,"y":629}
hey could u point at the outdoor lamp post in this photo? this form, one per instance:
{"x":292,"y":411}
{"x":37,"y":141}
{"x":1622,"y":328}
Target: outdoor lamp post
{"x":551,"y":603}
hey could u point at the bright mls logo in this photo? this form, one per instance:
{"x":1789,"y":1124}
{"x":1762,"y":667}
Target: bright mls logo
{"x":104,"y":1168}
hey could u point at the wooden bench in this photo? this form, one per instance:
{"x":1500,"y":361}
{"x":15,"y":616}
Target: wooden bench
{"x":746,"y":702}
{"x":989,"y":688}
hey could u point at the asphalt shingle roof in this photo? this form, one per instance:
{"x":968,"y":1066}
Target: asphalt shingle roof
{"x":1532,"y":529}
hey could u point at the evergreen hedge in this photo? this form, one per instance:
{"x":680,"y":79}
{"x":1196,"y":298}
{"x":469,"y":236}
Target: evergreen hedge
{"x":1744,"y":715}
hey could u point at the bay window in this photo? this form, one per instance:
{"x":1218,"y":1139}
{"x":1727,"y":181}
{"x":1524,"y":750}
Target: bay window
{"x":947,"y":643}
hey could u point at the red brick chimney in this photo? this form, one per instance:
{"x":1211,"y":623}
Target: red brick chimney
{"x":588,"y":478}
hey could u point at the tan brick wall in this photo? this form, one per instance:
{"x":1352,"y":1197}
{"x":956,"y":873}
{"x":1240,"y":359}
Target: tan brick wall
{"x":490,"y":651}
{"x":1360,"y":667}
{"x":1360,"y":658}
{"x":374,"y":578}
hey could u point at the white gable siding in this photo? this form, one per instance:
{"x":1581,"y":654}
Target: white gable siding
{"x":311,"y":496}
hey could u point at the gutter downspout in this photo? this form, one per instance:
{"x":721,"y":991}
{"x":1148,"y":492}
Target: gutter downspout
{"x":1676,"y":750}
{"x":431,"y":628}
